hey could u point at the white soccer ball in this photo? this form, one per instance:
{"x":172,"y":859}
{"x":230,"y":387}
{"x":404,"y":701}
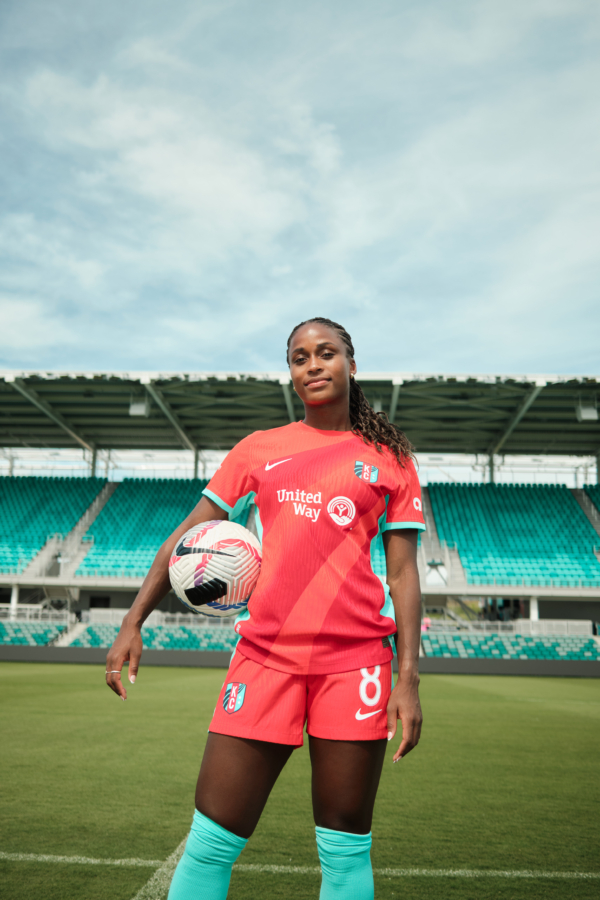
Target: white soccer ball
{"x":214,"y":568}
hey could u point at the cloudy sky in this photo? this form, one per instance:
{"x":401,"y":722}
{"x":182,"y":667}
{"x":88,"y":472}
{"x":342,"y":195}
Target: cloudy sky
{"x":183,"y":182}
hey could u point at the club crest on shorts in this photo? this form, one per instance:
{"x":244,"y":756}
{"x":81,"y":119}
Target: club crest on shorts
{"x":234,"y":697}
{"x":366,"y":472}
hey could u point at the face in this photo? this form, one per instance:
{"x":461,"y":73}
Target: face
{"x":319,"y":365}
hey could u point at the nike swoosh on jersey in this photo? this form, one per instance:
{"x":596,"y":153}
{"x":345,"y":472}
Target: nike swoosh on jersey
{"x":272,"y":465}
{"x":361,"y":715}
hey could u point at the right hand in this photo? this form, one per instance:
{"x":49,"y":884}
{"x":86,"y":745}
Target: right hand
{"x":126,"y":648}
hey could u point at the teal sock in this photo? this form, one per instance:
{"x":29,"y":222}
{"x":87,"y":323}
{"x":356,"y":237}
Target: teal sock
{"x":346,"y":865}
{"x":204,"y":870}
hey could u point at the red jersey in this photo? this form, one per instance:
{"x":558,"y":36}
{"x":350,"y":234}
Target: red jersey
{"x":323,"y":499}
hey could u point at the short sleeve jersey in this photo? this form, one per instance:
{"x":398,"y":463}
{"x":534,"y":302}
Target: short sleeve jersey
{"x":323,"y":500}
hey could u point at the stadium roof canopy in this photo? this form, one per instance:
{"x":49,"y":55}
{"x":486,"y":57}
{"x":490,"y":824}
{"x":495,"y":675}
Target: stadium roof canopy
{"x":502,"y":414}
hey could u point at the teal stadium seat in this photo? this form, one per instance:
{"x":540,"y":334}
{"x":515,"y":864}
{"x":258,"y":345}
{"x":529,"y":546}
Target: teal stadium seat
{"x":29,"y":634}
{"x":470,"y":645}
{"x":139,"y":516}
{"x":34,"y":508}
{"x":164,"y":637}
{"x":517,"y":534}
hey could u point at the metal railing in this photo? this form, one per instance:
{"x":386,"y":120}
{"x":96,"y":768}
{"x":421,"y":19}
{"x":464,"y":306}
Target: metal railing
{"x":517,"y":627}
{"x":189,"y":620}
{"x":30,"y":612}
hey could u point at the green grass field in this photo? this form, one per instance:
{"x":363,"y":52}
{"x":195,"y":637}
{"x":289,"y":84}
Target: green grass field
{"x":506,"y":778}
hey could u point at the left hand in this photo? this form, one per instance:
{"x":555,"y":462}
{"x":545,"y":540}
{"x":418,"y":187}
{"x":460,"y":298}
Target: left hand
{"x":404,"y":704}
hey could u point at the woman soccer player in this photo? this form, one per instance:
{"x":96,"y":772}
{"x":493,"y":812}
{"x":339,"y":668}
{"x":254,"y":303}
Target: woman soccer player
{"x":315,"y":640}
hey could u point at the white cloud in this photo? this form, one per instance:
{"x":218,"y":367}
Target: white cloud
{"x":428,"y":169}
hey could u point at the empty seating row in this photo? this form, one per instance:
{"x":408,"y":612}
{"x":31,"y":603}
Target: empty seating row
{"x":139,"y":516}
{"x":517,"y":534}
{"x":469,"y":645}
{"x":34,"y":508}
{"x":30,"y":634}
{"x":163,"y":637}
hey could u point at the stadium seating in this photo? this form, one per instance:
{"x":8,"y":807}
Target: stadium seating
{"x":469,"y":645}
{"x":163,"y":637}
{"x":32,"y":509}
{"x":136,"y":520}
{"x":517,"y":534}
{"x":30,"y":634}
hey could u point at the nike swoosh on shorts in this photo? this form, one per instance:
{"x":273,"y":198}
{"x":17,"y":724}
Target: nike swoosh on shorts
{"x":361,"y":715}
{"x":272,"y":465}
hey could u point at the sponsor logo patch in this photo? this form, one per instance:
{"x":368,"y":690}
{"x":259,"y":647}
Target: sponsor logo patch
{"x":341,"y":510}
{"x":417,"y":504}
{"x":234,"y":697}
{"x":366,"y":472}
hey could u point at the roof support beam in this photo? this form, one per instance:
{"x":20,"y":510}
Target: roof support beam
{"x":287,"y":394}
{"x":31,"y":395}
{"x":164,"y":407}
{"x":516,"y":418}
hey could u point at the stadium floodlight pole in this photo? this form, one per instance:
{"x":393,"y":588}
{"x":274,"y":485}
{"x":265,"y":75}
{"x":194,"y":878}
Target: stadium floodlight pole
{"x":165,"y":408}
{"x":31,"y":395}
{"x":526,"y":402}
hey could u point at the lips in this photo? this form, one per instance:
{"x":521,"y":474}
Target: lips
{"x":317,"y":382}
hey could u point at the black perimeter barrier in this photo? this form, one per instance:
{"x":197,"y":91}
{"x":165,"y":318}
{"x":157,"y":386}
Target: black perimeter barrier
{"x":219,"y":659}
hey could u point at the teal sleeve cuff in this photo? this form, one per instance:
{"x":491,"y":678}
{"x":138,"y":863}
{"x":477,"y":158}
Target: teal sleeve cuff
{"x":217,"y":500}
{"x":391,"y":526}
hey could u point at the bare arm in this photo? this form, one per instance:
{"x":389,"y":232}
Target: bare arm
{"x":128,"y":643}
{"x":403,"y":581}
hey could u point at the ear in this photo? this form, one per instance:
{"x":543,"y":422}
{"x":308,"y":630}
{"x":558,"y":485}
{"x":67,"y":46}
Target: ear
{"x":352,"y":367}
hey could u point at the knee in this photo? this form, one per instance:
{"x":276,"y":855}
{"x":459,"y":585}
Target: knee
{"x":338,"y":820}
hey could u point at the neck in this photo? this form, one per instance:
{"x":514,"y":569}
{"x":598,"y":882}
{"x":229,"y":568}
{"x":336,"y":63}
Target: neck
{"x":329,"y":416}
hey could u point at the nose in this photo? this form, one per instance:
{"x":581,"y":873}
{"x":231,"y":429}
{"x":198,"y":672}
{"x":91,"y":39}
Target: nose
{"x":315,"y":364}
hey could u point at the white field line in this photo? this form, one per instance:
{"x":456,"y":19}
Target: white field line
{"x":428,"y":873}
{"x":157,"y":887}
{"x":80,"y":860}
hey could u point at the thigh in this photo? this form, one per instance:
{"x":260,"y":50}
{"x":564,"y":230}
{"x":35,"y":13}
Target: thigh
{"x":345,"y":778}
{"x":347,"y":727}
{"x":236,"y":778}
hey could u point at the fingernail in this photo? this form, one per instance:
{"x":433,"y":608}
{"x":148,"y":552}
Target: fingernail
{"x":132,"y":679}
{"x":123,"y":699}
{"x":389,"y":735}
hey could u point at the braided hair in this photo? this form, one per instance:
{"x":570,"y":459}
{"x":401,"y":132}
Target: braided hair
{"x":373,"y":427}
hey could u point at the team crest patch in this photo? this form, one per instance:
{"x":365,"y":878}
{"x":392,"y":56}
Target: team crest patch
{"x":366,"y":472}
{"x":234,"y":697}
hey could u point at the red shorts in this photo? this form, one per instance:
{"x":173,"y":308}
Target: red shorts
{"x":267,"y":705}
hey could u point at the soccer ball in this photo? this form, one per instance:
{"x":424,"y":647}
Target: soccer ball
{"x":214,"y":568}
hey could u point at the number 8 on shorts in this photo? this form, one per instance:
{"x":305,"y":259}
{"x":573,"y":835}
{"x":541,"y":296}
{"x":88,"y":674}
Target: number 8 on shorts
{"x":363,"y":689}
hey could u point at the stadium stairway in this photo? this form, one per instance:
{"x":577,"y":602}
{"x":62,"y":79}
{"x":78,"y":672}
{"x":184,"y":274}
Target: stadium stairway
{"x":515,"y":535}
{"x":133,"y":524}
{"x":589,"y":501}
{"x":36,"y":511}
